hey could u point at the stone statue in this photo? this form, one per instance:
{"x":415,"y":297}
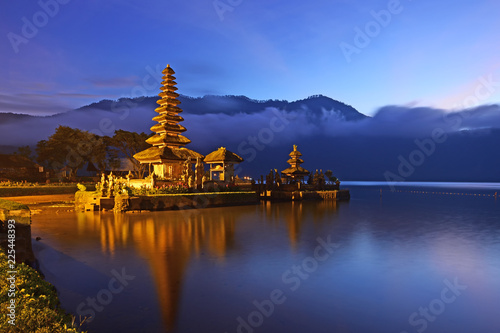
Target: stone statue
{"x":111,"y":184}
{"x":199,"y":168}
{"x":186,"y":170}
{"x":277,"y":178}
{"x":321,"y":179}
{"x":103,"y":184}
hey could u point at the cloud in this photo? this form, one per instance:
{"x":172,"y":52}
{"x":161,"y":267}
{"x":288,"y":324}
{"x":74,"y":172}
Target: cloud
{"x":269,"y":127}
{"x":41,"y":104}
{"x":34,"y":104}
{"x":422,"y":121}
{"x":390,"y":122}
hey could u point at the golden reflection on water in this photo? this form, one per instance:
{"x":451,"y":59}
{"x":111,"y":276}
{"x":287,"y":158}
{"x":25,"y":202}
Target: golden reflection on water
{"x":169,"y":240}
{"x":295,"y":213}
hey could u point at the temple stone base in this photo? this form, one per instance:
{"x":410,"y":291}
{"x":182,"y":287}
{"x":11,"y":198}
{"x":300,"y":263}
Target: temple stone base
{"x":123,"y":203}
{"x":278,"y":195}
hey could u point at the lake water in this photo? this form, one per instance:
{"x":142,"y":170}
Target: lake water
{"x":423,"y":258}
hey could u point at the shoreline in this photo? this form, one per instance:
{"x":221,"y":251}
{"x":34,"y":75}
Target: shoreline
{"x":43,"y":199}
{"x":33,"y":292}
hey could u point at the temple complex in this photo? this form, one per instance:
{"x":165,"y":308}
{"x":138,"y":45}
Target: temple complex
{"x":167,"y":155}
{"x":222,"y":163}
{"x":295,"y":172}
{"x":174,"y":169}
{"x":290,"y":184}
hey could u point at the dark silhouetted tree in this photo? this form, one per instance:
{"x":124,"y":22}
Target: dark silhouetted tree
{"x":330,"y":177}
{"x":72,"y":148}
{"x":128,"y":144}
{"x":25,"y":151}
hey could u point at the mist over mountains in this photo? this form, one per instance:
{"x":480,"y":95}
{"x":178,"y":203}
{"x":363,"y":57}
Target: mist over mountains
{"x":397,"y":143}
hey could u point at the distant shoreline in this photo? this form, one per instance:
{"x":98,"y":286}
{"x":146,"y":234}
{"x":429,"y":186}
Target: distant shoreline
{"x":479,"y":185}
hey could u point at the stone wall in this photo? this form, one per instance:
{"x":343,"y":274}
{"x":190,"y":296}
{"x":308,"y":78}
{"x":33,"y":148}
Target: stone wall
{"x":120,"y":203}
{"x":21,"y":214}
{"x":184,"y":201}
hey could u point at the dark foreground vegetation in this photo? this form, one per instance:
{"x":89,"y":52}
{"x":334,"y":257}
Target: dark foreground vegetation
{"x":37,"y":307}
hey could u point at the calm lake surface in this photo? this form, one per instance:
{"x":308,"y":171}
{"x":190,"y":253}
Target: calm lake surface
{"x":412,"y":260}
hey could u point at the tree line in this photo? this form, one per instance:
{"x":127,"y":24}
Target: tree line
{"x":74,"y":148}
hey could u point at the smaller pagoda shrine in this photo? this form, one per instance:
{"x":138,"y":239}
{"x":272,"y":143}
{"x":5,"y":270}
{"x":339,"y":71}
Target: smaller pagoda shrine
{"x":222,"y":163}
{"x":290,"y":185}
{"x":295,"y":173}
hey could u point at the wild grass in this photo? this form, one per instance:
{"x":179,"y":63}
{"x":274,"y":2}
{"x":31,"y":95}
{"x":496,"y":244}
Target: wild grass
{"x":37,"y":307}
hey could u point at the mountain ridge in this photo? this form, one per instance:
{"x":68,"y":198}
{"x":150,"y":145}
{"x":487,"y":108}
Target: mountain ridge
{"x":330,"y":134}
{"x":233,"y":104}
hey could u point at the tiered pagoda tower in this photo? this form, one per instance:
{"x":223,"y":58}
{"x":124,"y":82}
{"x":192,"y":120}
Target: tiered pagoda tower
{"x":168,"y":153}
{"x":295,"y":172}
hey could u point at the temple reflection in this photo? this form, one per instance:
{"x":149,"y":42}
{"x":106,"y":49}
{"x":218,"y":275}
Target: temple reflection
{"x":295,"y":213}
{"x":170,"y":240}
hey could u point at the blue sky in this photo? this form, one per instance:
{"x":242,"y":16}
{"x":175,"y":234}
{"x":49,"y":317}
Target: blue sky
{"x":442,"y":54}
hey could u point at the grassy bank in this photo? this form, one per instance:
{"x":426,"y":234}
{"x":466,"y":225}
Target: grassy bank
{"x":14,"y":191}
{"x":11,"y":205}
{"x":37,"y":307}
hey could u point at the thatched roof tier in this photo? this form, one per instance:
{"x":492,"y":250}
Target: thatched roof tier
{"x":166,"y":117}
{"x":168,"y":101}
{"x":173,"y":109}
{"x":168,"y":81}
{"x":187,"y":153}
{"x":166,"y":108}
{"x":296,"y":171}
{"x":168,"y":88}
{"x":295,"y":152}
{"x":155,"y":140}
{"x":297,"y":161}
{"x":222,"y":155}
{"x":168,"y":94}
{"x":168,"y":76}
{"x":169,"y":140}
{"x":157,"y":155}
{"x":164,"y":128}
{"x":168,"y":70}
{"x":166,"y":154}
